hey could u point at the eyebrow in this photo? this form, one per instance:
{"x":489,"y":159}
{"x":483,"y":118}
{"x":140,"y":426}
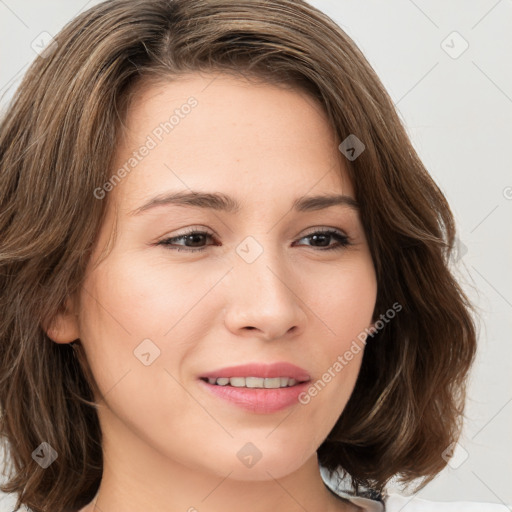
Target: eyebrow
{"x":222,"y":202}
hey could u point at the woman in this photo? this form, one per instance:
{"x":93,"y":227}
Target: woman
{"x":224,"y":270}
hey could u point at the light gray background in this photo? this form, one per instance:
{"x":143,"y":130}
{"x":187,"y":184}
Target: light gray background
{"x":458,"y":112}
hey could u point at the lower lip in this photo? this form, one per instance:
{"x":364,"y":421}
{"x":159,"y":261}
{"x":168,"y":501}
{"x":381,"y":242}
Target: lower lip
{"x":256,"y":399}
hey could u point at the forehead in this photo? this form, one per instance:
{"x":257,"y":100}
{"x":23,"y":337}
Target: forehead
{"x":215,"y":131}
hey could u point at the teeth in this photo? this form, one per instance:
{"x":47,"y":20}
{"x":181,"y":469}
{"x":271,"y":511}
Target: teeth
{"x":253,"y":382}
{"x":237,"y":382}
{"x":250,"y":382}
{"x":272,"y":383}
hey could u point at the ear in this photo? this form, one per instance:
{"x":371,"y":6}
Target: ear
{"x":63,"y":327}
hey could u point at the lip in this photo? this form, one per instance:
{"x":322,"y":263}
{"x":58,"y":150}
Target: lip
{"x":279,"y":369}
{"x":257,"y":400}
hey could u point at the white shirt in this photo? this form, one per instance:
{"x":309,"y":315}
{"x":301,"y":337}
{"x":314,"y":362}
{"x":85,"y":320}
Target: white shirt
{"x":396,"y":503}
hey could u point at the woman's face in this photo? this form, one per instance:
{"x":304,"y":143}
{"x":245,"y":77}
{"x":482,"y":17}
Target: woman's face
{"x":254,"y":286}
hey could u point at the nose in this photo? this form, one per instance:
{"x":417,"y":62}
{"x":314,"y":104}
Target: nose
{"x":264,"y":300}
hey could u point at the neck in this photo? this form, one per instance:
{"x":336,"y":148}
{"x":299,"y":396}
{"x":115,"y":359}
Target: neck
{"x":142,"y":478}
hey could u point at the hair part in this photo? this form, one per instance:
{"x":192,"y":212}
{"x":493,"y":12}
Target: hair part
{"x":57,"y":142}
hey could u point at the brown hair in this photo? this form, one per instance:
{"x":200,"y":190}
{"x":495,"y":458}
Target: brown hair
{"x":56,"y":147}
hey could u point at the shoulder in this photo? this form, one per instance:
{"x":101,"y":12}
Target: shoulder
{"x":396,"y":503}
{"x":369,"y":501}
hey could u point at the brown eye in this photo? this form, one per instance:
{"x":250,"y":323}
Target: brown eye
{"x":322,"y":240}
{"x":193,"y":241}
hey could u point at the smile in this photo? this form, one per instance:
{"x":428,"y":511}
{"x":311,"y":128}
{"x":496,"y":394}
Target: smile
{"x":253,"y":382}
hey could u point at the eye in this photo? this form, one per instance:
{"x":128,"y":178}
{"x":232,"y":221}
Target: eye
{"x":323,"y":236}
{"x":193,"y":240}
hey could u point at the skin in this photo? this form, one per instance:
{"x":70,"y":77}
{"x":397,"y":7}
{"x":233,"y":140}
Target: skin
{"x":167,"y":443}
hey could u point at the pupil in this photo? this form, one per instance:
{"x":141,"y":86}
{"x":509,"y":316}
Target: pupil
{"x":324,"y":237}
{"x":195,"y":237}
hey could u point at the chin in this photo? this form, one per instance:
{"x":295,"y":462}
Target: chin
{"x":264,"y":469}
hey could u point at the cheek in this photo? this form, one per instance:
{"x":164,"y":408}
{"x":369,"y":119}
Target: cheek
{"x":139,"y":298}
{"x":344,"y":305}
{"x":344,"y":300}
{"x":121,"y":328}
{"x":135,"y":313}
{"x":327,"y":395}
{"x":117,"y":314}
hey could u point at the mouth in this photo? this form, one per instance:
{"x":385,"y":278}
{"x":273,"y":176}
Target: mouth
{"x":258,"y":388}
{"x":254,"y":382}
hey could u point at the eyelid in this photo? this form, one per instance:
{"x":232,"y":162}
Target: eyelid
{"x":192,"y":229}
{"x":311,"y":231}
{"x":320,"y":229}
{"x":343,"y":240}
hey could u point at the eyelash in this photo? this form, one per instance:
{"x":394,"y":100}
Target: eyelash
{"x":343,"y":241}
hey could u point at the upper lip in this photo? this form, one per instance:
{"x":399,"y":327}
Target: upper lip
{"x":279,"y":369}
